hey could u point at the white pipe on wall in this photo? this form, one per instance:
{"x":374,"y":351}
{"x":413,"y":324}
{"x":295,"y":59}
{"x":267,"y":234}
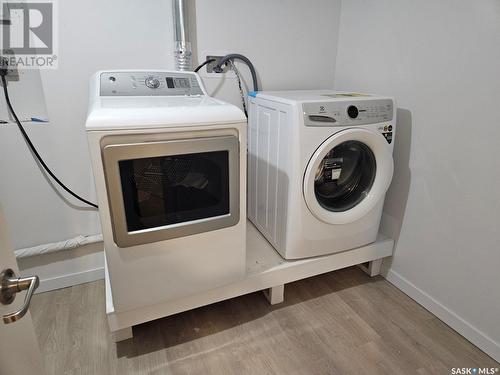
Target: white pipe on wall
{"x":68,"y":244}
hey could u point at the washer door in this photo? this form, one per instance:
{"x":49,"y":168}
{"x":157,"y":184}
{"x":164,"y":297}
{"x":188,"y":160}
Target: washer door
{"x":348,"y":175}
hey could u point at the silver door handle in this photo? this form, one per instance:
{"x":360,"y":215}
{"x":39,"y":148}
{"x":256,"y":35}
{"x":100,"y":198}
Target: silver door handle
{"x":10,"y":285}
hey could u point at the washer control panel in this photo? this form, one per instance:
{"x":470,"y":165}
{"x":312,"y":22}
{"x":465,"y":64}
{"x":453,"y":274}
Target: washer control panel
{"x":342,"y":113}
{"x":149,"y":84}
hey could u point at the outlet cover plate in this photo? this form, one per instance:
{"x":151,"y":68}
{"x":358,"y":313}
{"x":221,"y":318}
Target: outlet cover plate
{"x":210,"y":66}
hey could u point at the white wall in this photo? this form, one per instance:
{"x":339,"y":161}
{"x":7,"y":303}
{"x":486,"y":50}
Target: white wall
{"x":93,"y":35}
{"x":440,"y":59}
{"x":292,"y":44}
{"x":282,"y":41}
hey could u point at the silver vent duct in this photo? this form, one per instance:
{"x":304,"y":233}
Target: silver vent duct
{"x":182,"y":41}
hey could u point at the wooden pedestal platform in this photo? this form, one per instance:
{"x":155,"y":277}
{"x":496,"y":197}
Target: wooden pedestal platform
{"x":266,"y":271}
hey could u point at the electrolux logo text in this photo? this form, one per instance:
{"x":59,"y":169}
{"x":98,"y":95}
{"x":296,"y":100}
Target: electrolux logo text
{"x":475,"y":370}
{"x":29,"y":34}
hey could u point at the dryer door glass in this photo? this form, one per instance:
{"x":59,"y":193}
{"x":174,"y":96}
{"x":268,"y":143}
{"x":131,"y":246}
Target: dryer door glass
{"x":173,"y":189}
{"x":345,"y":176}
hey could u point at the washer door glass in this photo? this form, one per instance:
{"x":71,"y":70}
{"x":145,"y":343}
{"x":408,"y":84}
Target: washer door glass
{"x":348,"y":175}
{"x":345,"y":176}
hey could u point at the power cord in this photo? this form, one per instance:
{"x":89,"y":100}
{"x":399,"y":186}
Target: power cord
{"x":203,"y":64}
{"x":3,"y":73}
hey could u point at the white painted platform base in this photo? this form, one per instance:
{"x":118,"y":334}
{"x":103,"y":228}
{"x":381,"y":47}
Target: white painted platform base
{"x":266,"y":271}
{"x":122,"y":334}
{"x":372,"y":268}
{"x":275,"y":295}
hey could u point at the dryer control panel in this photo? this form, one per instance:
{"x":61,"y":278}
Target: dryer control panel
{"x":347,"y":113}
{"x":145,"y":83}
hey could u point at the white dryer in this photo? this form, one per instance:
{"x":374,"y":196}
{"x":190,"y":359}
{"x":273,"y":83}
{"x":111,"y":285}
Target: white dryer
{"x":170,"y":171}
{"x":320,"y":163}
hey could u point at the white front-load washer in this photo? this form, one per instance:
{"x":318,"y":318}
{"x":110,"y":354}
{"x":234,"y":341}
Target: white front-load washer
{"x":320,"y":163}
{"x":169,"y":164}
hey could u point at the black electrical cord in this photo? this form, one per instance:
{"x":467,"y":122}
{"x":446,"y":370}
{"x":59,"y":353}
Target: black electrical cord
{"x":32,"y":147}
{"x":203,"y":64}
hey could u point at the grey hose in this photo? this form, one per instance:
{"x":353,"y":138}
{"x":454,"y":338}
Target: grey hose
{"x":244,"y":105}
{"x":236,"y":56}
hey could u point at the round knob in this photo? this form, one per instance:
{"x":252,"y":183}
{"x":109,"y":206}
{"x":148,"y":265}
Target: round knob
{"x":152,"y":82}
{"x":352,"y":111}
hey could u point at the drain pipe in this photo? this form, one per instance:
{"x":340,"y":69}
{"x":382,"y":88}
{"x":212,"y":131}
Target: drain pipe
{"x":182,"y":41}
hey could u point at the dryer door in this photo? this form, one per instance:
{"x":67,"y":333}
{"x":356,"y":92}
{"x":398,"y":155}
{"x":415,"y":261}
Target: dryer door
{"x":348,"y":175}
{"x":172,"y":188}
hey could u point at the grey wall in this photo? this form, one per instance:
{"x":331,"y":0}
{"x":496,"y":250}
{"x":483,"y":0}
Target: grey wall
{"x":440,"y":59}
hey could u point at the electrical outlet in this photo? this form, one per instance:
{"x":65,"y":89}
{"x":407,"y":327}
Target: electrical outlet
{"x":210,"y":66}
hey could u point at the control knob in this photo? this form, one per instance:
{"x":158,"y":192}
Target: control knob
{"x":352,"y":111}
{"x":152,"y":82}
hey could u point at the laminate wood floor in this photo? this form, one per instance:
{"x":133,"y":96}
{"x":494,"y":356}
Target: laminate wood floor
{"x":343,"y":322}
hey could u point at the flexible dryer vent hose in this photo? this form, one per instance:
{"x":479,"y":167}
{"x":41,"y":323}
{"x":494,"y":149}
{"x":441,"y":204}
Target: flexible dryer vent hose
{"x":182,"y":41}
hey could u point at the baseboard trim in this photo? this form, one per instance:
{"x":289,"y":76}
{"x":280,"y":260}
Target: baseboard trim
{"x":471,"y":333}
{"x":72,"y":279}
